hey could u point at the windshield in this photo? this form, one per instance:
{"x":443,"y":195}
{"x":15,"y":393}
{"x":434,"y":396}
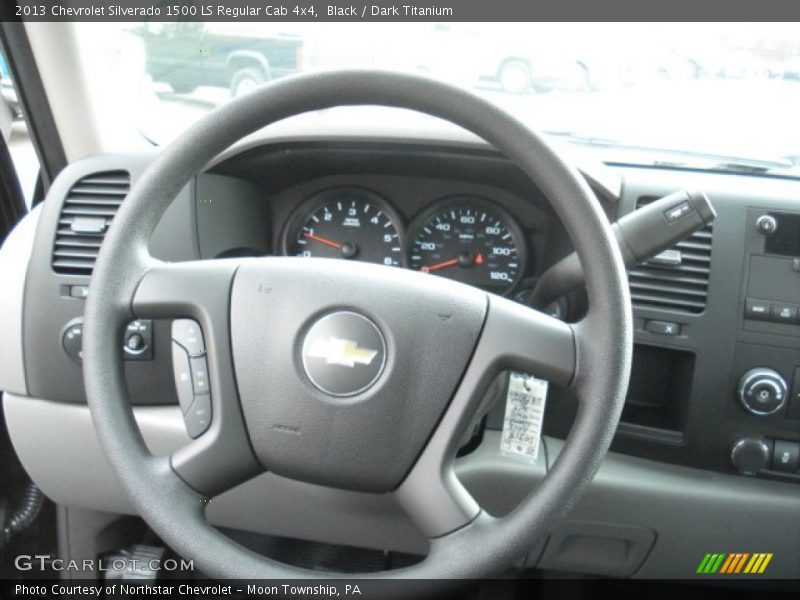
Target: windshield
{"x":706,"y":95}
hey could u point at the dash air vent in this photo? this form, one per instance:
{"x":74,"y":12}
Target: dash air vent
{"x":85,"y":216}
{"x":676,"y":279}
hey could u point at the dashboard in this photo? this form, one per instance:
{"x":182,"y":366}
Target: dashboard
{"x":713,"y":411}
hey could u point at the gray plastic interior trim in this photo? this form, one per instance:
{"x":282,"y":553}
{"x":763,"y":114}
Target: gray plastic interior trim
{"x":736,"y":513}
{"x":14,"y":258}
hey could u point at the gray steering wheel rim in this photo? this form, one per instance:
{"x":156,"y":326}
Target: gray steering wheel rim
{"x":484,"y":546}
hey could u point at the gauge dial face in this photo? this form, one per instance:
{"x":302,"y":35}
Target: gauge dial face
{"x":470,"y":241}
{"x":349,"y":224}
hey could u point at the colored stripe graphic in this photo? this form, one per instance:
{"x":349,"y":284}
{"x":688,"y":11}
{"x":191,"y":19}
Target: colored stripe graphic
{"x":716,"y":565}
{"x":703,"y":563}
{"x":731,"y":564}
{"x":755,"y":560}
{"x":764,"y":564}
{"x":728,"y":563}
{"x":734,"y":563}
{"x":741,"y":562}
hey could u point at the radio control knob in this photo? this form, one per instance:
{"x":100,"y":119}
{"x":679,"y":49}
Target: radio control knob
{"x":762,"y":391}
{"x":766,"y":224}
{"x":750,"y":455}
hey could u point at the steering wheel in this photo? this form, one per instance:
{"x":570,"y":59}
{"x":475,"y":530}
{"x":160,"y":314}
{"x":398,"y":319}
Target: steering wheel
{"x":350,"y":375}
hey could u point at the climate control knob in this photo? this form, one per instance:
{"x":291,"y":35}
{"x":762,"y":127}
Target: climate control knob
{"x":762,"y":391}
{"x":750,"y":455}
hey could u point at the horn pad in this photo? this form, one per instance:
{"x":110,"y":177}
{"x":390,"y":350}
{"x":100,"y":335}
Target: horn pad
{"x":343,"y":373}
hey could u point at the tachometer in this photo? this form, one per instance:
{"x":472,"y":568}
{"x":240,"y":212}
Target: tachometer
{"x":469,"y":240}
{"x":348,"y":223}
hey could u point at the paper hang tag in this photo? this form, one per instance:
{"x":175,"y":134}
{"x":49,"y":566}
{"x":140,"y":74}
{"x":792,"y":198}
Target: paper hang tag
{"x":522,"y":425}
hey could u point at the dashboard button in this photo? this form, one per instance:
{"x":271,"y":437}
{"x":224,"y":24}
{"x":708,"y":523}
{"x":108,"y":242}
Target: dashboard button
{"x":134,"y":343}
{"x":198,"y":417}
{"x":72,"y":339}
{"x":793,"y":411}
{"x":183,"y":376}
{"x":139,"y":340}
{"x":785,"y":456}
{"x":783,"y":313}
{"x":766,"y":224}
{"x":663,"y":327}
{"x":750,"y":455}
{"x":78,"y":291}
{"x":757,"y":310}
{"x":189,"y":335}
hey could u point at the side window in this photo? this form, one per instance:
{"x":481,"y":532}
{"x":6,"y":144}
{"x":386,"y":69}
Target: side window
{"x":15,"y":133}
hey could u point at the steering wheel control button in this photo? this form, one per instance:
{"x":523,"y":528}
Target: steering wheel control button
{"x":785,"y":456}
{"x":762,"y":391}
{"x":198,"y":417}
{"x":183,"y":376}
{"x":663,"y":327}
{"x":757,"y":310}
{"x":343,"y":354}
{"x":199,"y":375}
{"x":139,"y":340}
{"x":750,"y":455}
{"x":188,"y":334}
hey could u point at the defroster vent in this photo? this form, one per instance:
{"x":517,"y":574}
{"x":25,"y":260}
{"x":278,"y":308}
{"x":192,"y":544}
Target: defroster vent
{"x":85,"y":216}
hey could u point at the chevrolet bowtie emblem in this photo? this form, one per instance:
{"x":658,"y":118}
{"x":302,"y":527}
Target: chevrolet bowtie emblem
{"x":337,"y":351}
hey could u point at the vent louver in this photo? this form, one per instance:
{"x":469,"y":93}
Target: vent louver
{"x":85,"y":216}
{"x":677,"y":279}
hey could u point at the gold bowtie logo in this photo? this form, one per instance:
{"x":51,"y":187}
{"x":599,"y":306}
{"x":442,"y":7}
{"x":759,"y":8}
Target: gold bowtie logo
{"x":337,"y":351}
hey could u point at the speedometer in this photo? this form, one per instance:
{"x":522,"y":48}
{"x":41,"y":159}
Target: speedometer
{"x":472,"y":241}
{"x":349,"y":223}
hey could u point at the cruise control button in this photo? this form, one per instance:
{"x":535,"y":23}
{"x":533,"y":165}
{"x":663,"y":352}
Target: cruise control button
{"x":757,"y":310}
{"x":785,"y":456}
{"x":199,"y":375}
{"x":183,"y":376}
{"x":198,"y":418}
{"x":189,"y":335}
{"x":783,"y":313}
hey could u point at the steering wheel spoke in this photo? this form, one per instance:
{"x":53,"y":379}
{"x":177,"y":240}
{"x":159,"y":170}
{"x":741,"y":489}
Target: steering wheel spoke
{"x":513,"y":337}
{"x":197,"y":295}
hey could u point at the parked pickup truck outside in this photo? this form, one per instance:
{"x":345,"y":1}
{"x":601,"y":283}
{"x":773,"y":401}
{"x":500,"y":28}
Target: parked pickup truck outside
{"x":188,"y":55}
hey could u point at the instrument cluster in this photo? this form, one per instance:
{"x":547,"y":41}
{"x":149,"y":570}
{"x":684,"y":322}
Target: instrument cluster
{"x":466,"y":238}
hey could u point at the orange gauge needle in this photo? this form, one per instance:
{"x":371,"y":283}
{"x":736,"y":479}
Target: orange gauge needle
{"x":322,"y":240}
{"x":441,"y":265}
{"x":463,"y":260}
